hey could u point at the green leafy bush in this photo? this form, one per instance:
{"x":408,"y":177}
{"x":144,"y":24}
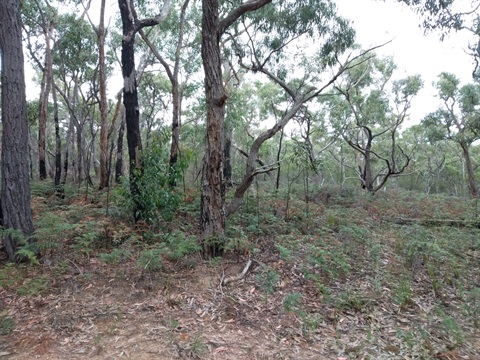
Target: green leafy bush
{"x":156,"y":198}
{"x":267,"y":280}
{"x":34,"y":286}
{"x":115,"y":257}
{"x":7,"y":324}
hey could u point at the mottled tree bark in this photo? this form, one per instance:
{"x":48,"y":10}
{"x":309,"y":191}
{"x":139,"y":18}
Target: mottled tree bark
{"x":67,"y":147}
{"x":279,"y":153}
{"x":212,"y":218}
{"x":174,"y":148}
{"x":58,"y":142}
{"x":130,"y":26}
{"x":472,"y":186}
{"x":100,"y":32}
{"x":213,"y":187}
{"x":15,"y":197}
{"x":130,"y":100}
{"x":227,"y":153}
{"x":119,"y":163}
{"x":42,"y":124}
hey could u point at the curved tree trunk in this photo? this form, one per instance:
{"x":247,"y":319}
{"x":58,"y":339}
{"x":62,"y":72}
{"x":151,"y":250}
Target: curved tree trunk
{"x":15,"y":198}
{"x":472,"y":186}
{"x":279,"y":153}
{"x":79,"y":138}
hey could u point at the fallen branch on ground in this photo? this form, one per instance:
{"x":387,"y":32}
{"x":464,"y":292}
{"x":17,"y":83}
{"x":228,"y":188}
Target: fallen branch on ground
{"x":434,"y":222}
{"x":239,"y":276}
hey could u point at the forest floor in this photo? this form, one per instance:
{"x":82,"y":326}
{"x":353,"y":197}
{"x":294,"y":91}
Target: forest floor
{"x":334,"y":278}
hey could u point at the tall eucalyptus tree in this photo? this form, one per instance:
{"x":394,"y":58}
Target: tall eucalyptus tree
{"x":101,"y":33}
{"x":75,"y":69}
{"x":367,"y":117}
{"x":259,"y":38}
{"x":180,"y":59}
{"x":213,"y":187}
{"x":130,"y":26}
{"x":458,"y":120}
{"x":39,"y":24}
{"x":16,"y":213}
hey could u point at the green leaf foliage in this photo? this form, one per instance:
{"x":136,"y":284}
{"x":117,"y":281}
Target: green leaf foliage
{"x":156,"y":198}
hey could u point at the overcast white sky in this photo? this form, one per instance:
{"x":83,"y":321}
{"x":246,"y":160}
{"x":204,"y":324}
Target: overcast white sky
{"x":379,"y":21}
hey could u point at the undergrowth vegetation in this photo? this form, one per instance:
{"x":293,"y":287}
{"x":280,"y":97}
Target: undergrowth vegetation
{"x":340,"y":260}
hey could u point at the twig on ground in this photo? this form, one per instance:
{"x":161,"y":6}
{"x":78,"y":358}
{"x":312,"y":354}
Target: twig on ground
{"x":80,"y":270}
{"x":239,"y":276}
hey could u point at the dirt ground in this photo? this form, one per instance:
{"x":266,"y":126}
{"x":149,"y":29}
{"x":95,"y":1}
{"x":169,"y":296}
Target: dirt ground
{"x":78,"y":307}
{"x":160,"y":316}
{"x":183,"y":312}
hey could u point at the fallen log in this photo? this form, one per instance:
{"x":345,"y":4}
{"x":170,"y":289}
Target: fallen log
{"x":434,"y":222}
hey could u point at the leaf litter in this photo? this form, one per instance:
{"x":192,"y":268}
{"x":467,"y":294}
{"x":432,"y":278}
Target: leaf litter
{"x":282,"y":308}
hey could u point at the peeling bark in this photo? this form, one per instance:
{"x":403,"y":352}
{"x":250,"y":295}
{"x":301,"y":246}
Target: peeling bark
{"x":213,"y":215}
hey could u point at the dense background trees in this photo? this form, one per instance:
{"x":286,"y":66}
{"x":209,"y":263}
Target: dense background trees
{"x":255,"y":129}
{"x":288,"y":100}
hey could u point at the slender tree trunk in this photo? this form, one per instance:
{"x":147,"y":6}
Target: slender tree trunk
{"x":58,"y":142}
{"x":119,"y":163}
{"x":91,"y":155}
{"x":43,"y":111}
{"x":42,"y":124}
{"x":227,"y":153}
{"x":15,"y":197}
{"x":30,"y":152}
{"x":279,"y":153}
{"x":79,"y":138}
{"x":110,"y":159}
{"x":472,"y":186}
{"x":68,"y":142}
{"x":119,"y":113}
{"x":367,"y":171}
{"x":174,"y":149}
{"x":103,"y":100}
{"x":130,"y":26}
{"x":213,"y":186}
{"x":177,"y":95}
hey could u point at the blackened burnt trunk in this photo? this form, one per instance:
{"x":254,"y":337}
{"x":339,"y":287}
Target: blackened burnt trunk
{"x":130,"y":100}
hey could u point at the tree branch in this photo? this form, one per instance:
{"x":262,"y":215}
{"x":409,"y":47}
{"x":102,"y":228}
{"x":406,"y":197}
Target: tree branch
{"x":239,"y":11}
{"x":140,"y":24}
